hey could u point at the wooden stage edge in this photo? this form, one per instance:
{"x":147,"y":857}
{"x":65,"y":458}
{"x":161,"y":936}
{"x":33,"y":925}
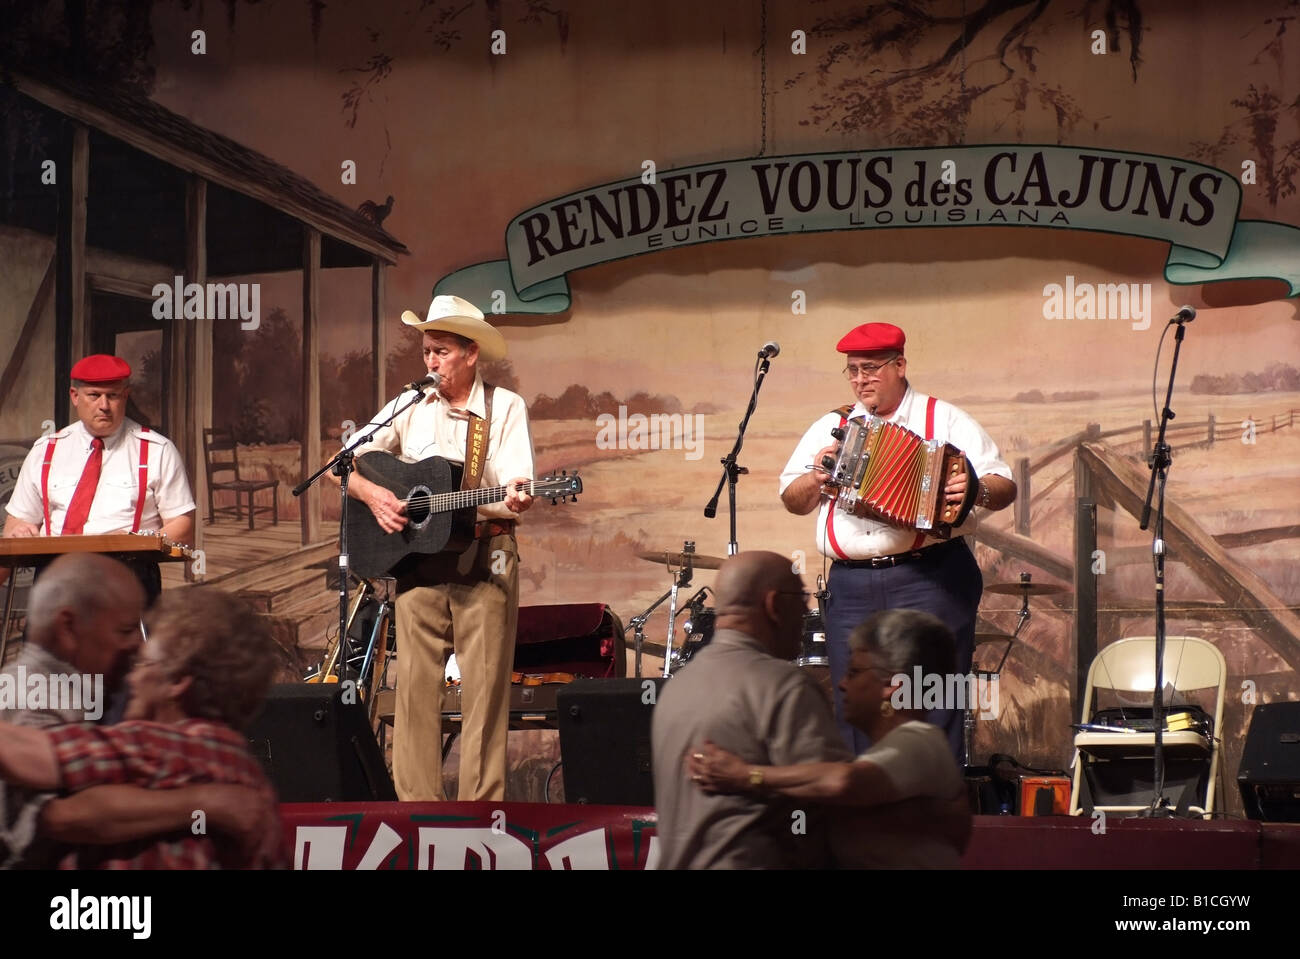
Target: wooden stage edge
{"x":403,"y":836}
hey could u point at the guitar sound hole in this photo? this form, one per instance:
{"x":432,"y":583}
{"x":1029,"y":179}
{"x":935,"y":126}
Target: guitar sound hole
{"x":417,"y":506}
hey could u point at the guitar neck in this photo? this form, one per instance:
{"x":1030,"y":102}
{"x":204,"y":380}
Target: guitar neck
{"x":466,"y":498}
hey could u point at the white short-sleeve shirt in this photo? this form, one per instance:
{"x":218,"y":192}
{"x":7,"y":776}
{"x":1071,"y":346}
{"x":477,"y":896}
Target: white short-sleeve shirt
{"x":167,"y":489}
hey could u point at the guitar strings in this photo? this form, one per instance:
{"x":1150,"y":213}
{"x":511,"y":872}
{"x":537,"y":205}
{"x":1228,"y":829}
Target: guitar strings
{"x":461,"y":499}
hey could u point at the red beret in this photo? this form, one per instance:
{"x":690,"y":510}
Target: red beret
{"x":870,"y":337}
{"x":101,"y":368}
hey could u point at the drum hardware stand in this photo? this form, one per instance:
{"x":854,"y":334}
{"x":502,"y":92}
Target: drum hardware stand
{"x":339,"y":655}
{"x":731,"y":470}
{"x":1160,"y":460}
{"x":681,"y":579}
{"x":1022,"y":618}
{"x":822,"y":594}
{"x":337,"y":650}
{"x":341,"y":465}
{"x":637,"y":623}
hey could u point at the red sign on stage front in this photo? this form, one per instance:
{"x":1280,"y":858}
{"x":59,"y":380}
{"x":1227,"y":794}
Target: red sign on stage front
{"x":478,"y":835}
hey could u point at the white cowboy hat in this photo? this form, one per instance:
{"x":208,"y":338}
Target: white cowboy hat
{"x":451,"y":314}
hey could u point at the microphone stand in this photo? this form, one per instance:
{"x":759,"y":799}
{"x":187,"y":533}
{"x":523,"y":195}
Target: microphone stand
{"x":1161,"y":460}
{"x":731,"y":471}
{"x":342,"y":466}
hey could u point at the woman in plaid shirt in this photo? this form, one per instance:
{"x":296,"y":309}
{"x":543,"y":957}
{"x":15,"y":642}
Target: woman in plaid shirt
{"x":198,"y":681}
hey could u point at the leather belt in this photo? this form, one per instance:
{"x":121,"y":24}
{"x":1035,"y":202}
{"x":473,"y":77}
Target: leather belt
{"x":898,"y":559}
{"x":494,"y":527}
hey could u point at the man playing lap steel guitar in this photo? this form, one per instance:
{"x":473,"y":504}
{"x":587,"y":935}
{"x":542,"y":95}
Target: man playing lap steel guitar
{"x":104,"y":473}
{"x":468,"y":602}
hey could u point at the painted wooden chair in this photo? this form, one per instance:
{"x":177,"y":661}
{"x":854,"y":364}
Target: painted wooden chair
{"x":220,"y":457}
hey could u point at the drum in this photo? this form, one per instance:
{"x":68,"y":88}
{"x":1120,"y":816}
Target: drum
{"x":699,"y":630}
{"x":813,"y":654}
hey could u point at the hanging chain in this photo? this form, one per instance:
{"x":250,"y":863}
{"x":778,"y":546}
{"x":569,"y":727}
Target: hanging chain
{"x":762,"y":56}
{"x":965,"y":26}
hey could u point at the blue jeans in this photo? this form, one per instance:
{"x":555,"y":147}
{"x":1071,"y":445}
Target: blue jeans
{"x":944,"y":581}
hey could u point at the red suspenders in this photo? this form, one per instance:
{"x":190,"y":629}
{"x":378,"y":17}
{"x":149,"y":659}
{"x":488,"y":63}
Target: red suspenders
{"x":142,"y":481}
{"x":45,"y":483}
{"x":830,"y":513}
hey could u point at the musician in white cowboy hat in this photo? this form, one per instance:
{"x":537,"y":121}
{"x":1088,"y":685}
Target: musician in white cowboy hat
{"x":467,"y":603}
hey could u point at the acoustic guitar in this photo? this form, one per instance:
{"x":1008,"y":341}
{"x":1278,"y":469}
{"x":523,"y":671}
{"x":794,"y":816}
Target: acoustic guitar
{"x":440,"y":515}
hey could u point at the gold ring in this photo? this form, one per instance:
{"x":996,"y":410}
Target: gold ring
{"x":699,"y":756}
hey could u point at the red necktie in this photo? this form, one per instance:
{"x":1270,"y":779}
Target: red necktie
{"x":79,"y":508}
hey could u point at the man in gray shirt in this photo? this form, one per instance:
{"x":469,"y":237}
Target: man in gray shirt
{"x":742,"y":693}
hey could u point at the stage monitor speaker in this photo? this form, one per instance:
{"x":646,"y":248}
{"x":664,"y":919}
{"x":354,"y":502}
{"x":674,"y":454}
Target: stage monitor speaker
{"x":1269,"y":774}
{"x":316,"y":748}
{"x":605,"y":740}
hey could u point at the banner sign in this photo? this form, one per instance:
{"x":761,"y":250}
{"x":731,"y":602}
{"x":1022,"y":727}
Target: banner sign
{"x":1192,"y":207}
{"x":477,"y":835}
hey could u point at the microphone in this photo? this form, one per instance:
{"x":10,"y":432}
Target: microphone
{"x":1185,"y":315}
{"x":770,"y":349}
{"x":428,"y":382}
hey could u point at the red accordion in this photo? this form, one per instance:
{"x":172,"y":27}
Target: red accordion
{"x":887,"y":472}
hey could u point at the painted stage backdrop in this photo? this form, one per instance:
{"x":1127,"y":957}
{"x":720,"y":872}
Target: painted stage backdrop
{"x":641,"y":196}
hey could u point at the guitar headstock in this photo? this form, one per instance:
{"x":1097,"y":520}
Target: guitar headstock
{"x":558,"y":489}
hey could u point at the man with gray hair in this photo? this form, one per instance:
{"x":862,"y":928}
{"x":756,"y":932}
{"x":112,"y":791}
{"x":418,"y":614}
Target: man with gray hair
{"x":83,"y":620}
{"x":83,"y":630}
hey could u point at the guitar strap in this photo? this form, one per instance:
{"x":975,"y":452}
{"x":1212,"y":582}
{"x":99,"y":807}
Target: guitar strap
{"x":476,"y":442}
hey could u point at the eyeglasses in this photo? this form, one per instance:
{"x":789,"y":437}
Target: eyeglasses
{"x":801,"y":593}
{"x":866,"y":371}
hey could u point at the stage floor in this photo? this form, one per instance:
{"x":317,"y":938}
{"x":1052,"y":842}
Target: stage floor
{"x":1066,"y":842}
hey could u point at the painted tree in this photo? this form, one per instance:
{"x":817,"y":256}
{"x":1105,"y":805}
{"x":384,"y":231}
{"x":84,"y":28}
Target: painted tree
{"x":910,"y":72}
{"x":1259,"y":135}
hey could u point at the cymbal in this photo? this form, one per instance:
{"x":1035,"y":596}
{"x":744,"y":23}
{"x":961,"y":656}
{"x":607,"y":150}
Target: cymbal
{"x":676,"y":558}
{"x":982,"y":638}
{"x":1025,"y":589}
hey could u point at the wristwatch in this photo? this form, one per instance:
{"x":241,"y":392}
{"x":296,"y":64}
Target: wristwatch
{"x":755,"y":777}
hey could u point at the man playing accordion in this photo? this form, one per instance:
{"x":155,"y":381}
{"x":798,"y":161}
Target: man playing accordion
{"x":876,"y":565}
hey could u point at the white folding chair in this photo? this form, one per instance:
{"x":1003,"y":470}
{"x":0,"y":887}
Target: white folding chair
{"x":1111,"y":766}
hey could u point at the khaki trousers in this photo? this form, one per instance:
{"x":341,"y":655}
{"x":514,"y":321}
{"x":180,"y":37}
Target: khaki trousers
{"x":467,"y":604}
